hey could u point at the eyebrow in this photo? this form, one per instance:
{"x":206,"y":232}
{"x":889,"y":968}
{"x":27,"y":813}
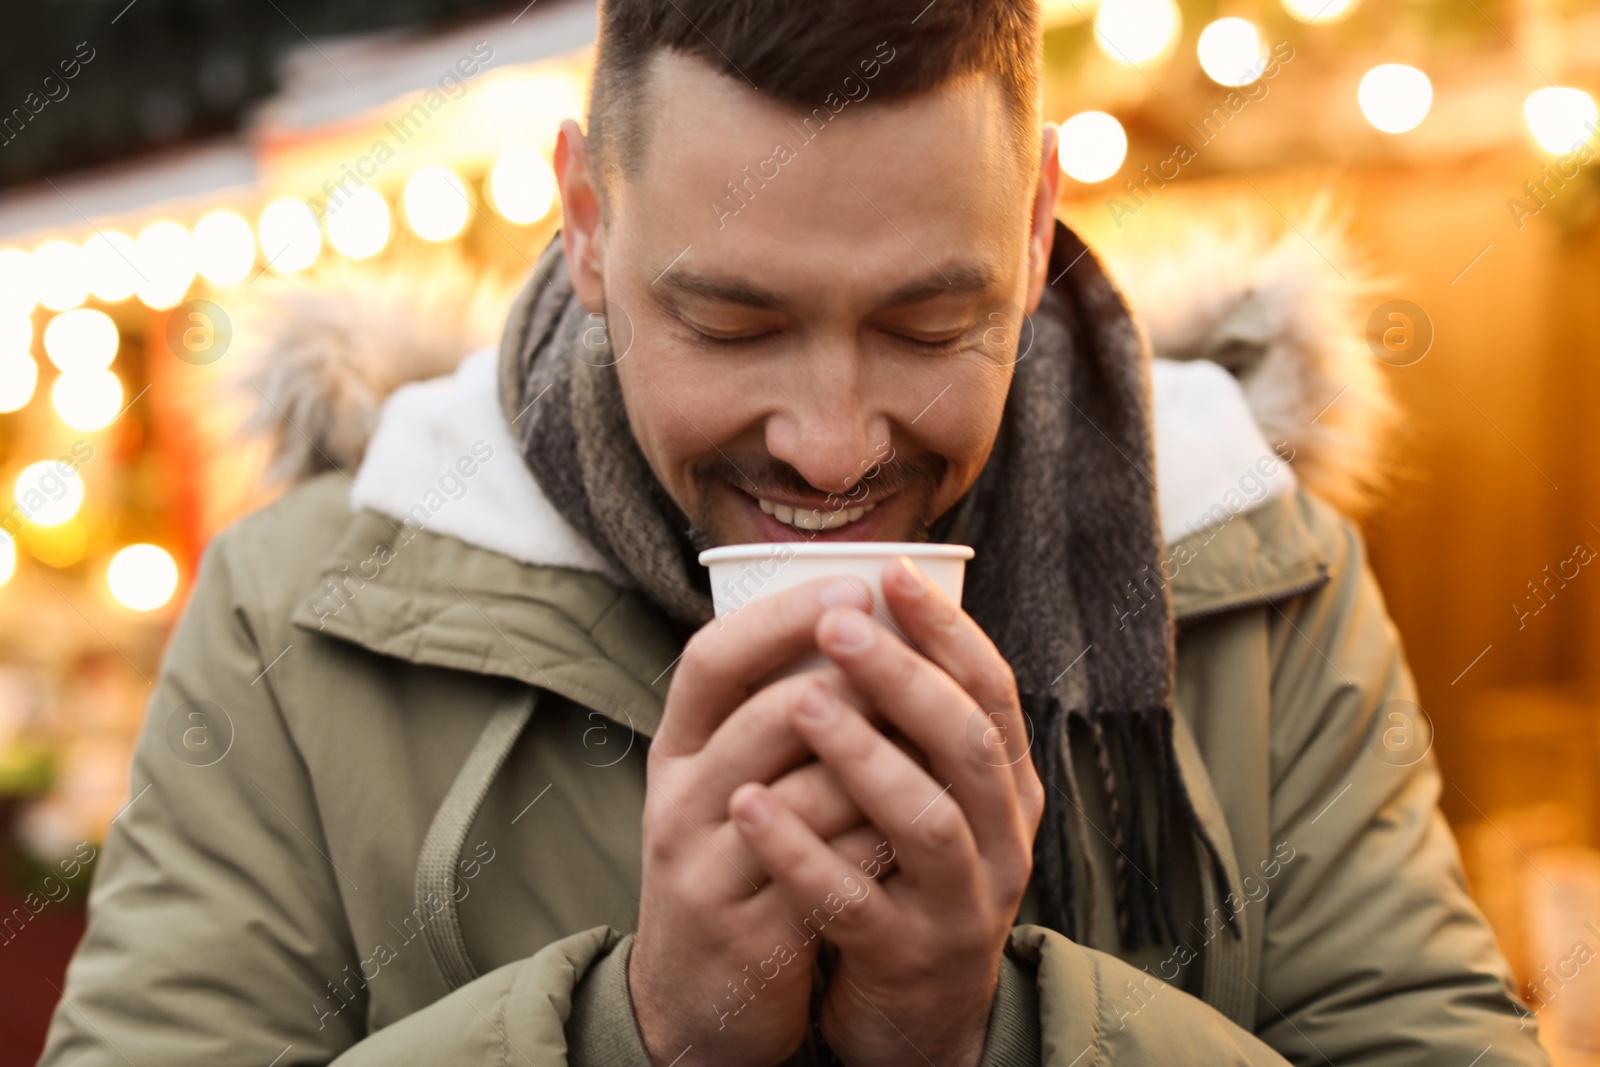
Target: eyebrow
{"x":960,"y":278}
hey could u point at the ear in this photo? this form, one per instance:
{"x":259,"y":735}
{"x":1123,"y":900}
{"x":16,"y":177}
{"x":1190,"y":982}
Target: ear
{"x":580,"y":210}
{"x":1042,"y":233}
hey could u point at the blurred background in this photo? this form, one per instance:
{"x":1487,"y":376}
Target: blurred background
{"x":168,"y":169}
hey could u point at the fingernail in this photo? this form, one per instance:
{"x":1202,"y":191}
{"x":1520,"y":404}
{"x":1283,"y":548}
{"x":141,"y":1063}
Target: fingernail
{"x":816,"y":706}
{"x":846,"y":593}
{"x":754,"y":810}
{"x":849,"y":631}
{"x":913,"y":580}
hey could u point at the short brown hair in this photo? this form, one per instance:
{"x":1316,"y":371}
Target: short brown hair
{"x":801,"y":51}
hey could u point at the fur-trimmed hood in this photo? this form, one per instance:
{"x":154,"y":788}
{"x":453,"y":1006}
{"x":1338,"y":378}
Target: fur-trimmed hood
{"x":326,"y":351}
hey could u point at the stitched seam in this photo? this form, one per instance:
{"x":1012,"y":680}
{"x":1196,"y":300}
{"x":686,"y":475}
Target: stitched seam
{"x":1099,"y":1012}
{"x":505,"y":1038}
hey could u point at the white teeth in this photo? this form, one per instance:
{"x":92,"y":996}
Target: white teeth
{"x":815,"y":518}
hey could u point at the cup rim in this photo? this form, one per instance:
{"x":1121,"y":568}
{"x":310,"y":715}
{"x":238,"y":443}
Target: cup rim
{"x":835,"y":549}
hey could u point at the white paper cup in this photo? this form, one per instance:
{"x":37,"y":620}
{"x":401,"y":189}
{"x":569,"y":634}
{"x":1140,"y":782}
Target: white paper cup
{"x":741,"y":574}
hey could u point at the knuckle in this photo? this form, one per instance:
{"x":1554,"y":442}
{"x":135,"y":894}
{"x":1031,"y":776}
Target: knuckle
{"x":660,"y":851}
{"x":921,"y":962}
{"x":1000,"y":683}
{"x":946,"y":614}
{"x":904,"y":667}
{"x":1013,"y":870}
{"x":940,"y":827}
{"x":699,"y":655}
{"x":858,"y":744}
{"x":1030,"y":797}
{"x":656,"y":827}
{"x":656,"y":761}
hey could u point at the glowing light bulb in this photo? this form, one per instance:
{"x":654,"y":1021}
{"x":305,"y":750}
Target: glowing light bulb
{"x":82,"y":340}
{"x":359,"y":226}
{"x":1321,"y":12}
{"x":87,"y":400}
{"x":142,"y":577}
{"x":18,"y":292}
{"x":290,"y":237}
{"x":48,"y":493}
{"x":1230,"y":52}
{"x":1093,"y":146}
{"x":1394,"y":97}
{"x":436,"y":204}
{"x":8,"y":557}
{"x":225,"y":247}
{"x":1133,"y":31}
{"x":165,"y":256}
{"x":522,"y":186}
{"x":58,"y":271}
{"x":1560,"y":118}
{"x":111,"y":261}
{"x":19,"y":377}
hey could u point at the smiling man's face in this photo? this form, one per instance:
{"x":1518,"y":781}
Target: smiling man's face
{"x":828,"y":356}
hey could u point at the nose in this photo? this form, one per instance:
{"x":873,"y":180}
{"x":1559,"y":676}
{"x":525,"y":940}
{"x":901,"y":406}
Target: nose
{"x":826,"y":428}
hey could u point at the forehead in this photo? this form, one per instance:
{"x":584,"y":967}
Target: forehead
{"x":864,"y":197}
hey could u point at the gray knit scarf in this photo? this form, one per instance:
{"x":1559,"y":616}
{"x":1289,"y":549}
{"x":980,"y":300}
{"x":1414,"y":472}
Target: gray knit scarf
{"x":1063,"y":522}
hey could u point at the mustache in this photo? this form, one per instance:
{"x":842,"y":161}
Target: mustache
{"x":767,"y":476}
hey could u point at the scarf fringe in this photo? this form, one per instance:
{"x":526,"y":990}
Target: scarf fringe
{"x":1127,"y":746}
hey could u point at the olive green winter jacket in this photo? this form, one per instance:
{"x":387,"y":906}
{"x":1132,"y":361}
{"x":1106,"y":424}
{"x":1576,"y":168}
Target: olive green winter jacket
{"x":387,"y":801}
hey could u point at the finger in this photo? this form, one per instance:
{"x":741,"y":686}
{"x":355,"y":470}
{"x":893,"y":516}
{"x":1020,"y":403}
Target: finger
{"x":757,"y":743}
{"x":725,"y":658}
{"x":865,"y":848}
{"x":827,"y":889}
{"x":946,"y":635}
{"x":930,"y":829}
{"x":814,"y":794}
{"x":933,"y":711}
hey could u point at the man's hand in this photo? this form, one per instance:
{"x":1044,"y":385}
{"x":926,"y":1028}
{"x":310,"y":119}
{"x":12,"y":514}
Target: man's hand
{"x":716,"y":967}
{"x":920,"y":953}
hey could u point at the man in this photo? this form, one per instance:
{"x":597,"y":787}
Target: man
{"x":484,"y":782}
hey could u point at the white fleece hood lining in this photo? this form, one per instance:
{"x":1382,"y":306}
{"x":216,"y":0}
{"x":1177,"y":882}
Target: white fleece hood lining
{"x":443,"y":459}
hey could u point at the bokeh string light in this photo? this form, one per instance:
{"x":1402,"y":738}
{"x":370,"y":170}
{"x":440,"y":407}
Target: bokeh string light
{"x":1561,"y":118}
{"x":1395,"y":97}
{"x":165,"y":255}
{"x":1231,"y":52}
{"x":522,"y":186}
{"x":1093,"y":146}
{"x":1137,"y":31}
{"x":60,"y":282}
{"x":109,"y":259}
{"x":359,"y":224}
{"x":142,"y":577}
{"x":436,"y":203}
{"x":225,"y":247}
{"x":81,"y":341}
{"x":290,"y":239}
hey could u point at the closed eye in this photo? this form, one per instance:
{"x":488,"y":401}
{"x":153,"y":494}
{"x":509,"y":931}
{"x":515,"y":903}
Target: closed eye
{"x":945,"y":344}
{"x":713,"y":341}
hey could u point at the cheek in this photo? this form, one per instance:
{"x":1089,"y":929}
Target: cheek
{"x":676,"y":410}
{"x":961,"y":423}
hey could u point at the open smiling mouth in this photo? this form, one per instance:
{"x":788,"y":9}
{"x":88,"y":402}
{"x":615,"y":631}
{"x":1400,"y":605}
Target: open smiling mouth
{"x":814,"y":519}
